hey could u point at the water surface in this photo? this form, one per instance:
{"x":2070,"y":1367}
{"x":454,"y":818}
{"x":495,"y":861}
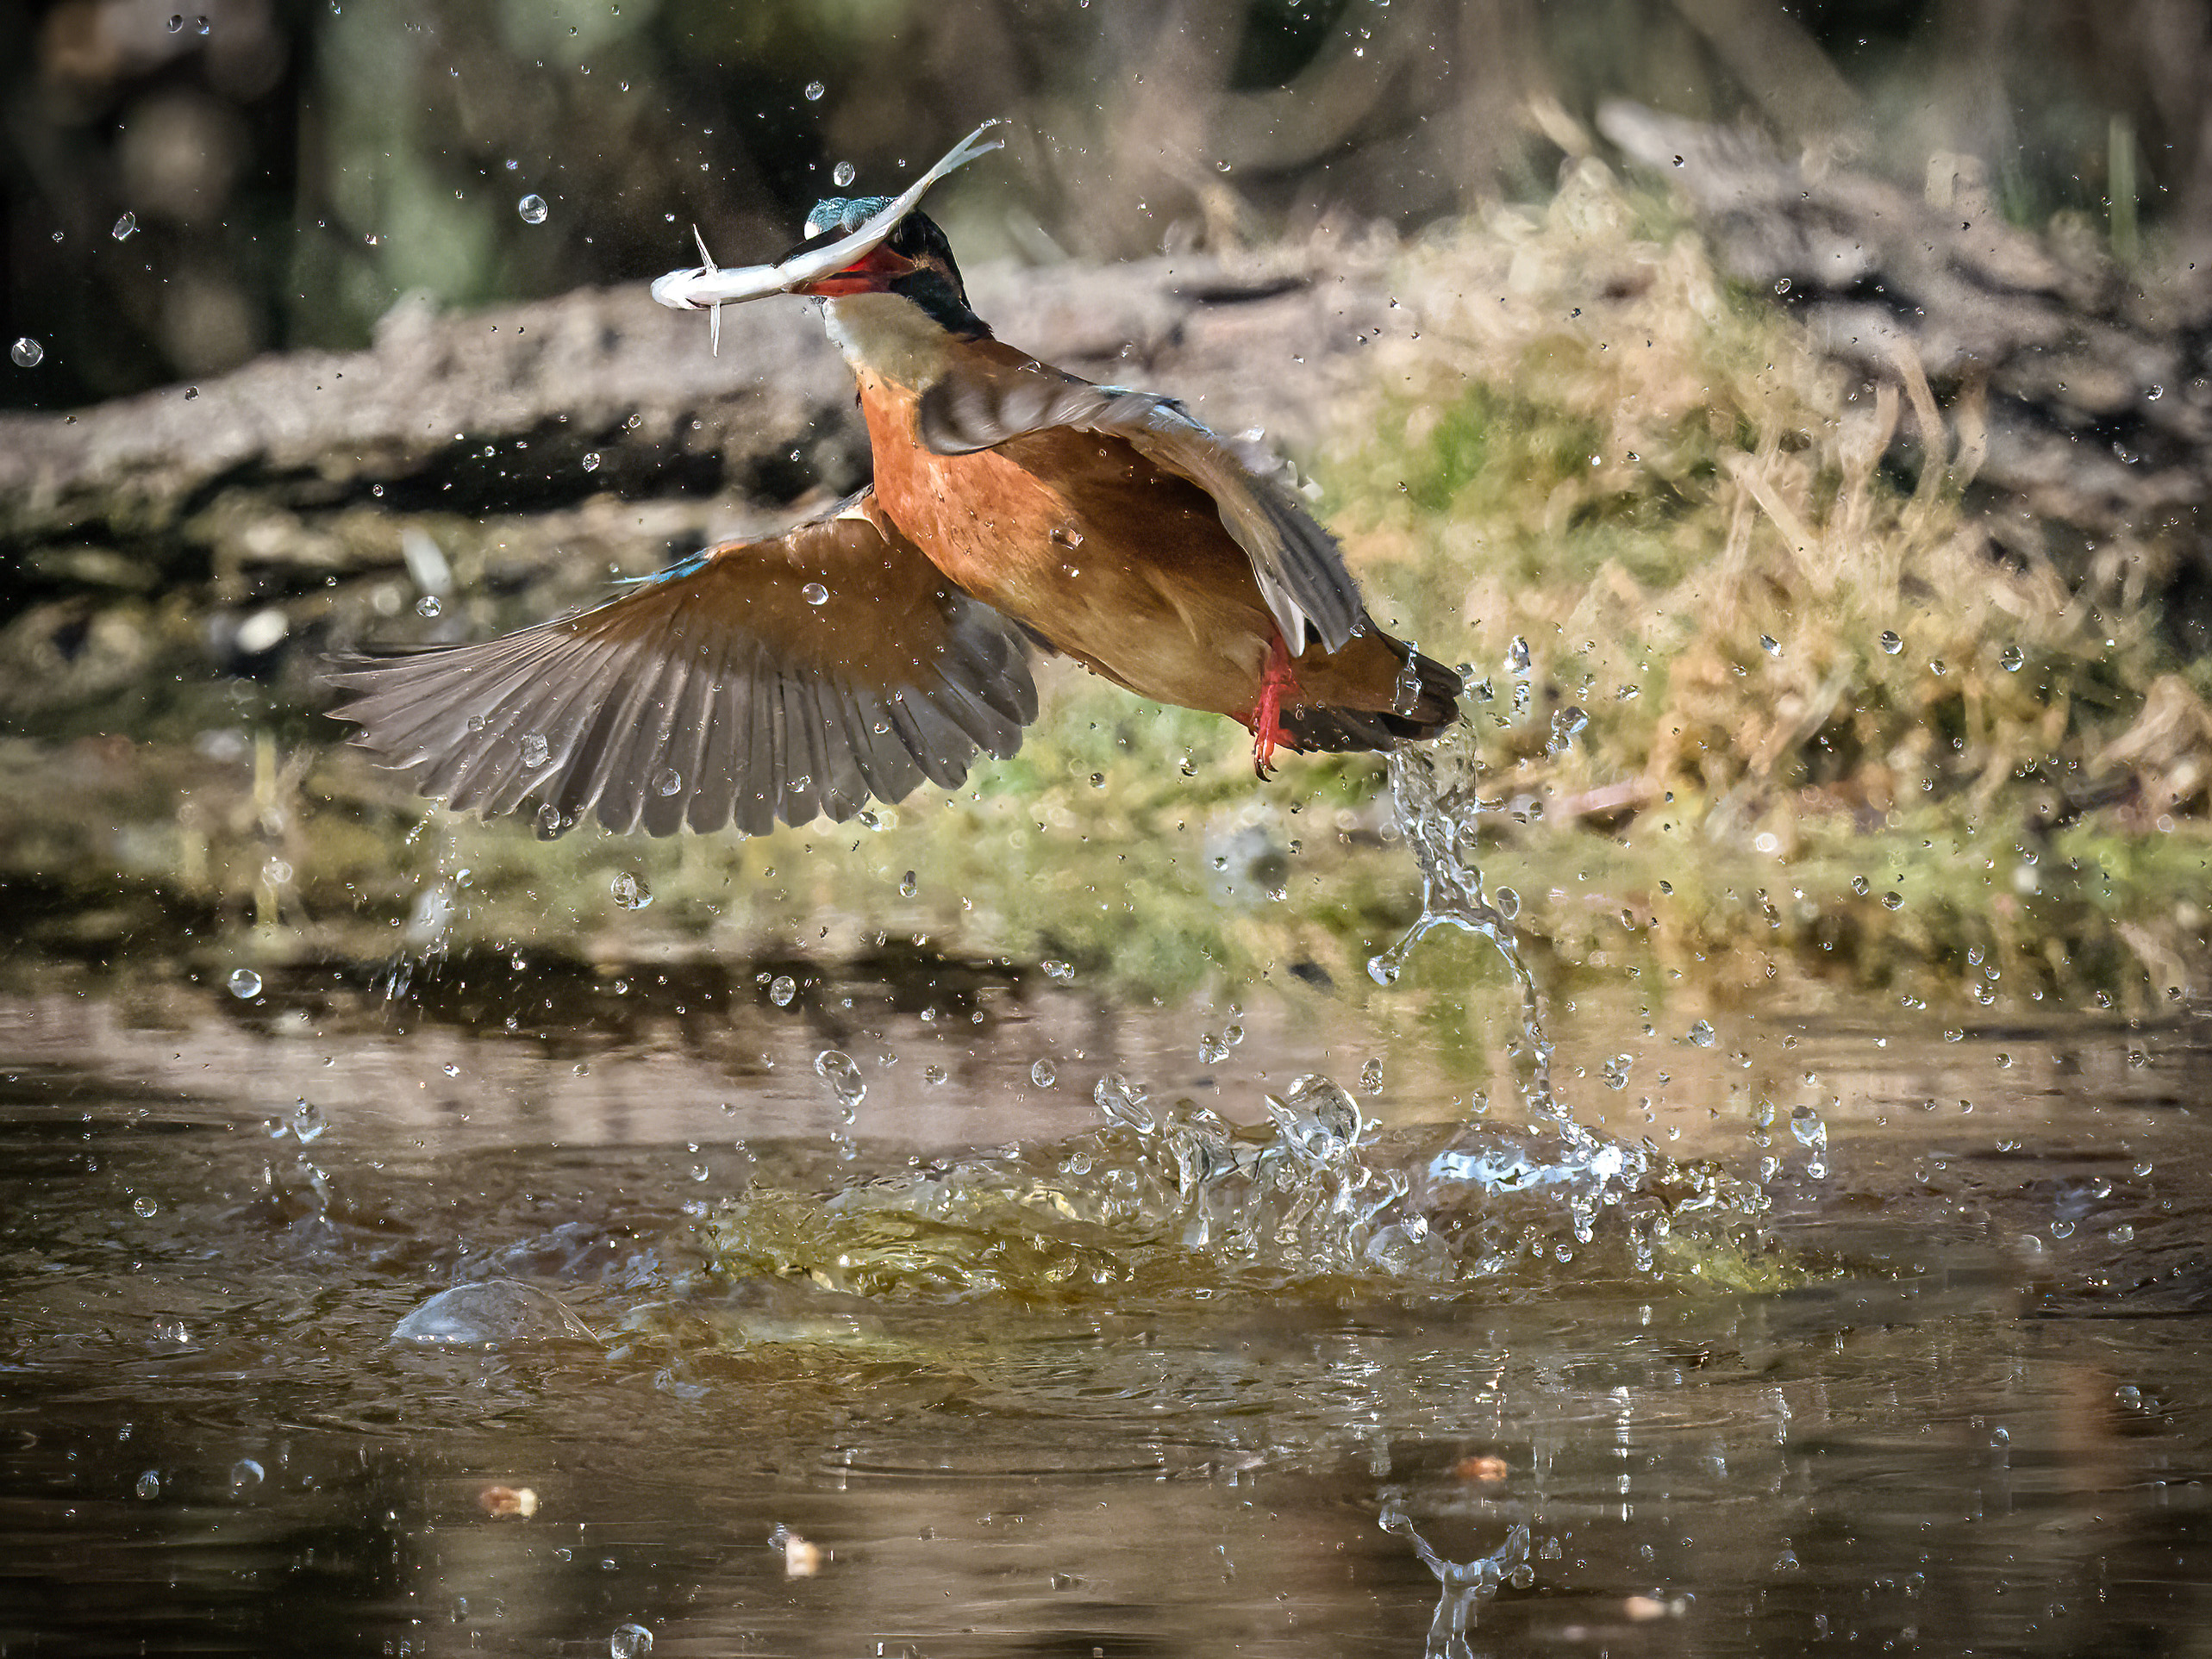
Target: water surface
{"x":1950,"y":1393}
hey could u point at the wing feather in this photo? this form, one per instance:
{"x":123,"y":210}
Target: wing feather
{"x":1299,"y":567}
{"x":747,"y":683}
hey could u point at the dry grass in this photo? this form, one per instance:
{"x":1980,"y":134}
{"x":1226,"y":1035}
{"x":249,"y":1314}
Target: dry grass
{"x":1588,"y":441}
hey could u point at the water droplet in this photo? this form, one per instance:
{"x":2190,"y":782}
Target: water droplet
{"x":1782,"y":286}
{"x":2012,"y":659}
{"x":245,"y":984}
{"x":246,"y":1474}
{"x":1890,"y":643}
{"x":27,"y":353}
{"x":2155,"y":393}
{"x":1316,"y":1119}
{"x":533,"y":209}
{"x":1054,"y":969}
{"x":814,"y":593}
{"x":815,"y":90}
{"x":1043,"y":1075}
{"x":200,"y":26}
{"x":1509,"y":903}
{"x":843,"y":174}
{"x":1123,"y":1101}
{"x":1616,"y":1070}
{"x":551,"y":823}
{"x":1567,"y":725}
{"x":1893,"y":900}
{"x":307,"y":1122}
{"x":1211,"y":1050}
{"x":536,"y":750}
{"x":1702,"y":1034}
{"x":1516,"y":655}
{"x":630,"y":891}
{"x":934,"y":1074}
{"x":1861,"y":886}
{"x":149,"y":1484}
{"x":175,"y":21}
{"x":1769,"y":644}
{"x":125,"y":228}
{"x":668,"y":781}
{"x":835,"y":1068}
{"x":629,"y":1641}
{"x":145,"y":1207}
{"x":782,"y":990}
{"x":907,"y":885}
{"x":591,"y":460}
{"x":428,"y":605}
{"x":2123,"y":1234}
{"x":1371,"y":1076}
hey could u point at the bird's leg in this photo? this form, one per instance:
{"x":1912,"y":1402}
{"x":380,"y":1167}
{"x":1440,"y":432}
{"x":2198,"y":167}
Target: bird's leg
{"x":1277,"y":685}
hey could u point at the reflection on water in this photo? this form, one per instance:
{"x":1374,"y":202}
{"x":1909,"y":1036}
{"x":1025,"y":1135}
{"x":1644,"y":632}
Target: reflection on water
{"x":1030,"y":1376}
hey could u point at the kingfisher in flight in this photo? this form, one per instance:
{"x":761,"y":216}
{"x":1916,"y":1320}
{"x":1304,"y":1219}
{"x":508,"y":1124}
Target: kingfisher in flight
{"x":1016,"y":510}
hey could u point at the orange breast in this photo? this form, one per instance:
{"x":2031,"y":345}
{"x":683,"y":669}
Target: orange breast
{"x":1122,"y":566}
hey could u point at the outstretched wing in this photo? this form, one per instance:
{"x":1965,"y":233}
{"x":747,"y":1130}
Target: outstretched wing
{"x":998,"y":395}
{"x":780,"y":678}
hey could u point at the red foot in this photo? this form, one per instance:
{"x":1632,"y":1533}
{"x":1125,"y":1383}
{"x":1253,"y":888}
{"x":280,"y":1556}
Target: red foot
{"x":1278,"y":686}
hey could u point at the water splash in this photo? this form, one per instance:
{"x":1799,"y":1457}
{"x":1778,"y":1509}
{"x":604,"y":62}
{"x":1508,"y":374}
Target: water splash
{"x":1463,"y":1583}
{"x":1173,"y":1198}
{"x":1438,"y":807}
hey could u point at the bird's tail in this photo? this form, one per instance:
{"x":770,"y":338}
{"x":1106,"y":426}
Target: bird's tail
{"x":1423,"y":699}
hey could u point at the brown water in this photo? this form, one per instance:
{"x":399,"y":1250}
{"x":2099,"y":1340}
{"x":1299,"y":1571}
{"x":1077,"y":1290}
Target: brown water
{"x":1952,"y":1393}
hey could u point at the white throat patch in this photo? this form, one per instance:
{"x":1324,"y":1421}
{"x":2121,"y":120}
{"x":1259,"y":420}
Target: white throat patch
{"x":889,"y":335}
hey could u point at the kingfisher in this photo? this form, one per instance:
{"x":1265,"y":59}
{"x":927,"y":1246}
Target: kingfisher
{"x":1016,"y":511}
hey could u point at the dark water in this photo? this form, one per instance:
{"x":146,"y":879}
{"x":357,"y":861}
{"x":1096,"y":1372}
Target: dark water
{"x":1952,"y":1393}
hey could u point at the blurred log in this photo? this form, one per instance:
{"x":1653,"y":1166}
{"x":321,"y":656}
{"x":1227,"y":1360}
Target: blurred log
{"x":471,"y":472}
{"x":2082,"y":394}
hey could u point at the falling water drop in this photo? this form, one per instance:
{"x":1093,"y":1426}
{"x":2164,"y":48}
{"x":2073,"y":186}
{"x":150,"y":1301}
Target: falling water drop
{"x":629,"y":1641}
{"x":27,"y":353}
{"x":1891,"y":642}
{"x":668,"y":781}
{"x":1043,"y":1075}
{"x":2012,"y":658}
{"x":308,"y":1121}
{"x":533,"y":208}
{"x":125,"y":228}
{"x":814,"y":593}
{"x":844,"y":173}
{"x":782,"y":990}
{"x":835,"y":1068}
{"x":536,"y":750}
{"x":245,"y":984}
{"x":907,"y":885}
{"x":630,"y":891}
{"x":1370,"y":1077}
{"x":815,"y":90}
